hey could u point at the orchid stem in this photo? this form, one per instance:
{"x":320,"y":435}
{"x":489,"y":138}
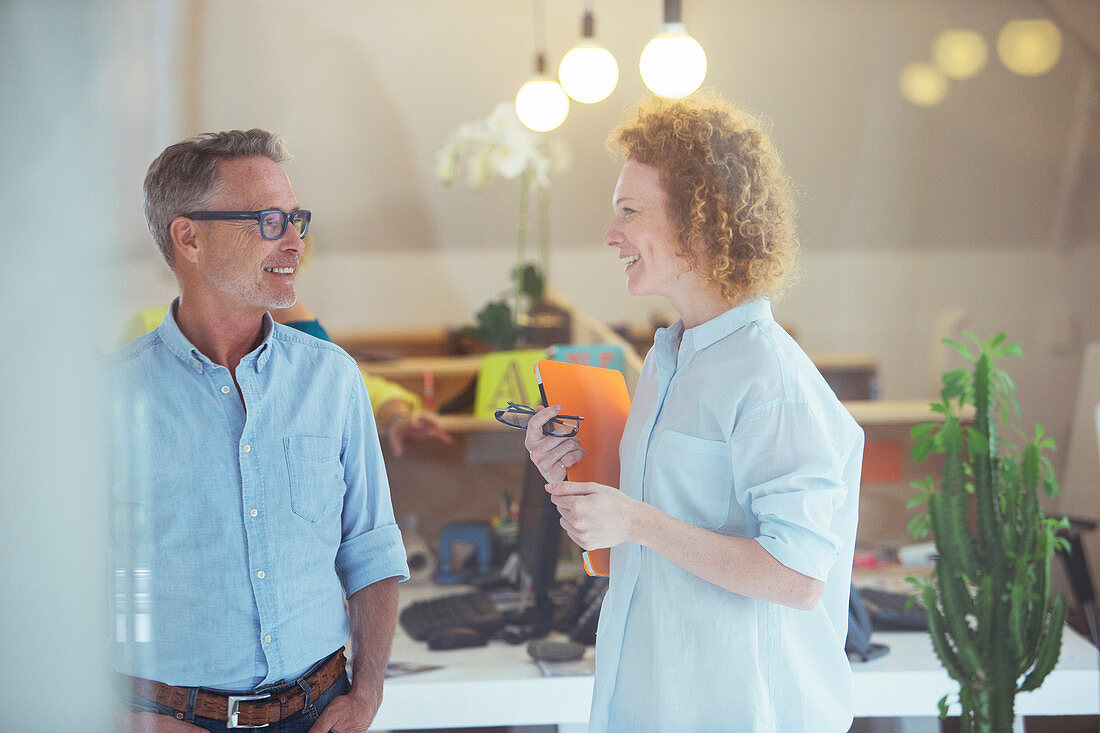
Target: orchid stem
{"x":521,"y":241}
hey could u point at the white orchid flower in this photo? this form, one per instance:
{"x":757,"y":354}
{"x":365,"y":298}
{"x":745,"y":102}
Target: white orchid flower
{"x":499,"y":145}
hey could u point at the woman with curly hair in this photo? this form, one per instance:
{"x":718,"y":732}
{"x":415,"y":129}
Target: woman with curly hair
{"x":733,"y":533}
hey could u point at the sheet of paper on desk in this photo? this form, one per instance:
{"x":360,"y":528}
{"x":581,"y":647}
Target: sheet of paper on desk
{"x":576,"y":668}
{"x":400,"y":669}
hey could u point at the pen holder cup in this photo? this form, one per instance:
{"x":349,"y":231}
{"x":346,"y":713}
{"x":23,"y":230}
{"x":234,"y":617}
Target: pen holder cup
{"x":459,"y":543}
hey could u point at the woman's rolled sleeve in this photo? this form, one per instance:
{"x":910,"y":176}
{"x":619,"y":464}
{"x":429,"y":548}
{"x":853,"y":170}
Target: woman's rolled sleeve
{"x":790,"y":476}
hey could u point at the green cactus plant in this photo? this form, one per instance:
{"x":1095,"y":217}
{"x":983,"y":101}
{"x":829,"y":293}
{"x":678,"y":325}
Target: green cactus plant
{"x":993,"y":624}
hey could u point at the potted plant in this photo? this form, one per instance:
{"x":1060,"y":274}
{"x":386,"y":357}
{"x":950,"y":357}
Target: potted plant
{"x":993,"y":624}
{"x":501,"y":146}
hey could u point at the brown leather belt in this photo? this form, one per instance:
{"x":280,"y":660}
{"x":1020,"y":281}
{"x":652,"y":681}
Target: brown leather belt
{"x":247,"y":710}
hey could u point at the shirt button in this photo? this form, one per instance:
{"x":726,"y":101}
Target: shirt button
{"x":247,"y":448}
{"x":196,"y":364}
{"x":267,"y":639}
{"x":261,"y":575}
{"x":225,"y":389}
{"x":252,"y":512}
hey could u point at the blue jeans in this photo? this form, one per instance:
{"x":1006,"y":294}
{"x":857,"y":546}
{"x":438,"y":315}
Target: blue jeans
{"x":300,"y":722}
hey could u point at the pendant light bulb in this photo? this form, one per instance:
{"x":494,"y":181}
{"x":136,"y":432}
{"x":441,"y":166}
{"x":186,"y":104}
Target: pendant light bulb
{"x":540,"y":103}
{"x":923,"y":84}
{"x":1029,"y":47}
{"x":673,"y":64}
{"x":960,"y":53}
{"x":588,"y":72}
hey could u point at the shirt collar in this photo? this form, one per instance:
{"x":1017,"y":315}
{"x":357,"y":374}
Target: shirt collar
{"x":696,"y":339}
{"x":170,"y":333}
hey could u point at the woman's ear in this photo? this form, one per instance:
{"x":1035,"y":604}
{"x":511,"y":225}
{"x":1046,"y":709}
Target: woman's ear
{"x":185,"y":240}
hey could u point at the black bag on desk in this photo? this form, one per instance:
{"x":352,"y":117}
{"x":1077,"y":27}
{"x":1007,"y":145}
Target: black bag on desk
{"x":579,"y":616}
{"x":858,"y":644}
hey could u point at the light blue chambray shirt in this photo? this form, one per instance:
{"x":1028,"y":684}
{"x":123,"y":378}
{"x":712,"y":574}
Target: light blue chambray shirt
{"x":236,"y":534}
{"x":732,"y":429}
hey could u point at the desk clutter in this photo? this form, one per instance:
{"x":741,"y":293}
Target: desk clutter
{"x":453,"y":621}
{"x":892,"y":611}
{"x":473,"y":618}
{"x":465,"y":548}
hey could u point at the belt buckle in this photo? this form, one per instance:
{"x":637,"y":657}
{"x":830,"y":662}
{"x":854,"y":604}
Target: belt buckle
{"x":233,"y":711}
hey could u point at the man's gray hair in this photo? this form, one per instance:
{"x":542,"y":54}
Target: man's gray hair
{"x":182,"y":177}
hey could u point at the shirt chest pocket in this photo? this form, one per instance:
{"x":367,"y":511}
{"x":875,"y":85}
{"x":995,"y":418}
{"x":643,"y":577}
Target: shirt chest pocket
{"x":691,"y":479}
{"x":316,"y":476}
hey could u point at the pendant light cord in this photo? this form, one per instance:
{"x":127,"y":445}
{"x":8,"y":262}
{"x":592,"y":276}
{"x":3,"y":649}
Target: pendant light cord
{"x":538,"y":18}
{"x":672,"y":11}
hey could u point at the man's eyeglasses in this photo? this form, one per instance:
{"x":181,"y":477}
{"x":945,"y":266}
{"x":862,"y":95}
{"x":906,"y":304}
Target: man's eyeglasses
{"x":560,"y":426}
{"x":272,"y":221}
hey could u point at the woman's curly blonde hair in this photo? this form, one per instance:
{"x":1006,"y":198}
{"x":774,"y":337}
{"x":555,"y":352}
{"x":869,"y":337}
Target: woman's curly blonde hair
{"x":728,"y":198}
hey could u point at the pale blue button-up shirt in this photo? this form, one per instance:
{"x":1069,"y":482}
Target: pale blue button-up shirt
{"x":732,"y":429}
{"x":237,"y":532}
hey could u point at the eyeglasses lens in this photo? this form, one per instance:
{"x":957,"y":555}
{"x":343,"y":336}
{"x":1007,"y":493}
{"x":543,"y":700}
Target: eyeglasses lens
{"x":300,"y":221}
{"x":272,"y":224}
{"x":560,"y":428}
{"x":515,"y":419}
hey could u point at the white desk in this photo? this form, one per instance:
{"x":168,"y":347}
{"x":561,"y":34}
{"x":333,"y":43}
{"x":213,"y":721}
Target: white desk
{"x":500,"y":685}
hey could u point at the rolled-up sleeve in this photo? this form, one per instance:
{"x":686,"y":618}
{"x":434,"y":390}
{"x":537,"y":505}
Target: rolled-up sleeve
{"x":789,"y":475}
{"x":370,"y":547}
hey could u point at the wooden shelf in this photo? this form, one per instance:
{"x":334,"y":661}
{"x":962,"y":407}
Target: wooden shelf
{"x":466,"y":424}
{"x":874,"y":413}
{"x":844,"y":361}
{"x":868,"y":413}
{"x":441,"y":366}
{"x":378,"y":346}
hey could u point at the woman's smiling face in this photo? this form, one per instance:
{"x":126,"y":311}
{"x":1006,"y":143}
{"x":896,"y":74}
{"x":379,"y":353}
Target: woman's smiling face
{"x":646,"y":237}
{"x":644,"y":233}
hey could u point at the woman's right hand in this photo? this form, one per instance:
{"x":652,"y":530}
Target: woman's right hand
{"x":553,"y":456}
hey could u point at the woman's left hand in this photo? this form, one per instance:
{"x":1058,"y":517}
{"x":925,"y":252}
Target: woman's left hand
{"x":595,"y":515}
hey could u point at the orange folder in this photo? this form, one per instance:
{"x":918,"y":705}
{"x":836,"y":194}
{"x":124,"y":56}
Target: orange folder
{"x":601,"y":398}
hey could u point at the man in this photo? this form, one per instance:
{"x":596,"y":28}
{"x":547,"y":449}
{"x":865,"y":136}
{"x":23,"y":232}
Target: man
{"x":251,"y":496}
